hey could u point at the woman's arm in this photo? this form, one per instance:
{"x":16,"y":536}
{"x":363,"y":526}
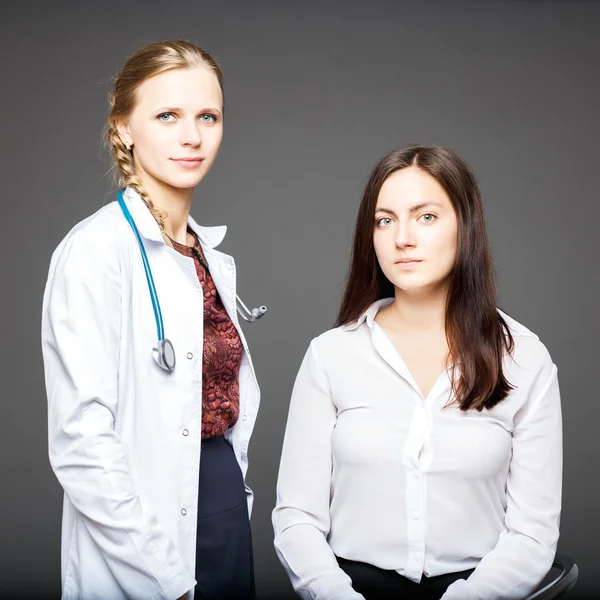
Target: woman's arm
{"x":301,"y":517}
{"x":81,"y":330}
{"x":526,"y":549}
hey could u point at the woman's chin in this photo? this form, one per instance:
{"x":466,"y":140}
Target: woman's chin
{"x":420,"y":288}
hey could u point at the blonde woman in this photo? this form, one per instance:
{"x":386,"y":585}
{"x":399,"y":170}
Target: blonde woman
{"x":149,"y":438}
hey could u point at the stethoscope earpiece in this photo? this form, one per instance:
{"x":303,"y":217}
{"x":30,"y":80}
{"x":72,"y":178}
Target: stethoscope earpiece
{"x":259,"y":312}
{"x":164,"y":353}
{"x":250,"y":315}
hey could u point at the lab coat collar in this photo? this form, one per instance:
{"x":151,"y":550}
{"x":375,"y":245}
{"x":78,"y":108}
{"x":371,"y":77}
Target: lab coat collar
{"x":369,"y":314}
{"x":209,"y":237}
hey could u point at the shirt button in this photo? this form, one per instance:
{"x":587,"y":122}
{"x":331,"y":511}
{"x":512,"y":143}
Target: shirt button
{"x":183,"y":512}
{"x":415,"y":516}
{"x":417,"y":556}
{"x":190,"y":355}
{"x":244,"y":418}
{"x":185,"y":432}
{"x":416,"y":474}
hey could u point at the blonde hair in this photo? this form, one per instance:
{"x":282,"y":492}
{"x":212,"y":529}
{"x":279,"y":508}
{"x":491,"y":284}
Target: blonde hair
{"x":147,"y":62}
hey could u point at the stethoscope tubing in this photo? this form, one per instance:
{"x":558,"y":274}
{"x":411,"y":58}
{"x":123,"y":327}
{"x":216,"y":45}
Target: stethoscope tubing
{"x":151,"y":286}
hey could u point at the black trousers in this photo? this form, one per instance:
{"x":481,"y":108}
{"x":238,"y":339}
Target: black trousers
{"x":224,"y":561}
{"x":378,"y":584}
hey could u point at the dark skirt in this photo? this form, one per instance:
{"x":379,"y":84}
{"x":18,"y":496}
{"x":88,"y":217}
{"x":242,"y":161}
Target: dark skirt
{"x":224,"y":562}
{"x":379,"y":584}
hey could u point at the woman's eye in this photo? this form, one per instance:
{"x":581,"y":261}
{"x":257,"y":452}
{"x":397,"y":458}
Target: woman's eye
{"x":165,"y":117}
{"x":384,"y":222}
{"x":428,"y":218}
{"x":208,"y":118}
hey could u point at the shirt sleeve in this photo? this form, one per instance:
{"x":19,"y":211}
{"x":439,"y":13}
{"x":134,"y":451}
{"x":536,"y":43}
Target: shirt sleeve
{"x":81,"y":333}
{"x":526,"y":548}
{"x":301,"y":517}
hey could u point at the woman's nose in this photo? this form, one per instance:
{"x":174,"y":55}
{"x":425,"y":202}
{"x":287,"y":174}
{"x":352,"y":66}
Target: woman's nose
{"x":191,"y":135}
{"x":404,"y":234}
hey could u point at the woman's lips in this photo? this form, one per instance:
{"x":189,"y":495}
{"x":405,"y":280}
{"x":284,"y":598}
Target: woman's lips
{"x":407,"y":264}
{"x":188,"y":163}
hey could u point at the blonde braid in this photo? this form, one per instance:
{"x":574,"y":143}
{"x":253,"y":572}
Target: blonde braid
{"x":127,"y":174}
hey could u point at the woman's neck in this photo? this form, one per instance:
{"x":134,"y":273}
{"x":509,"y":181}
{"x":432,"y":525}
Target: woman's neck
{"x":422,"y":312}
{"x":176,"y":203}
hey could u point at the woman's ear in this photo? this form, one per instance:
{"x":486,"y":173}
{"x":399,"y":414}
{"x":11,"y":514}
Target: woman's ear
{"x":124,"y":133}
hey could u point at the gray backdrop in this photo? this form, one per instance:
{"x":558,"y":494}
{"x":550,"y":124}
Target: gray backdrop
{"x":315,"y":93}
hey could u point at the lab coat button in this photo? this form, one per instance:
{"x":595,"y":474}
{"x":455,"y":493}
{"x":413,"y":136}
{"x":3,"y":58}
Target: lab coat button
{"x":183,"y":512}
{"x":190,"y":355}
{"x":185,"y":432}
{"x":415,"y":516}
{"x":244,"y":418}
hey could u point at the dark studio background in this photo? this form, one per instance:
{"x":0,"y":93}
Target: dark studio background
{"x":316,"y":92}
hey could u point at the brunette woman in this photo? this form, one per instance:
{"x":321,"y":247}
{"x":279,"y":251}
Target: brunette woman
{"x":422,"y":455}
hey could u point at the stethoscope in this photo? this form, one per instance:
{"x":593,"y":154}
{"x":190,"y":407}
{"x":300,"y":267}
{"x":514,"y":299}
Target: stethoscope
{"x":163,"y":353}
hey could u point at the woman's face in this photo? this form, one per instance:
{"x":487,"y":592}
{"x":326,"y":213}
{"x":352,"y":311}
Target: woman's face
{"x":416,"y":232}
{"x":176,"y":127}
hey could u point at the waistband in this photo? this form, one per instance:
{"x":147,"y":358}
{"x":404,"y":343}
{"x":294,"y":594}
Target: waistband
{"x":214,"y":441}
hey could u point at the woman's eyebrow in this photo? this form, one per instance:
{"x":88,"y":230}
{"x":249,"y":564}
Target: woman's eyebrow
{"x":177,"y":109}
{"x":412,"y":209}
{"x":389,"y":211}
{"x":424,"y":205}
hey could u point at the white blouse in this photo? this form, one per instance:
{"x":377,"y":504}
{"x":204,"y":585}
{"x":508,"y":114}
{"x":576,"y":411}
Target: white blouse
{"x":372,"y":471}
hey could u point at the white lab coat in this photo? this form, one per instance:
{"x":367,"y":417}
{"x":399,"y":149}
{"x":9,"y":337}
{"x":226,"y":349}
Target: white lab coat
{"x":124,"y":435}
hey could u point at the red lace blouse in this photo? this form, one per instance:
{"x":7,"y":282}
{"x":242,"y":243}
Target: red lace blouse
{"x":222,"y":354}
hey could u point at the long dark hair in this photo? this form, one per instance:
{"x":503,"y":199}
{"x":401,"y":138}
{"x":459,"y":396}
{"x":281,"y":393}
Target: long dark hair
{"x":478,"y":337}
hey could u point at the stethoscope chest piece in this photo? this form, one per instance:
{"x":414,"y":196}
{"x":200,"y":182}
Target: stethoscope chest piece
{"x":164,"y":354}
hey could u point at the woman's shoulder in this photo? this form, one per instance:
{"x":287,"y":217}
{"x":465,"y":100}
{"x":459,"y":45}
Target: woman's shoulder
{"x":517,"y":329}
{"x":337,"y":341}
{"x":106,"y":224}
{"x":94,"y":242}
{"x":100,"y":230}
{"x":529,"y":352}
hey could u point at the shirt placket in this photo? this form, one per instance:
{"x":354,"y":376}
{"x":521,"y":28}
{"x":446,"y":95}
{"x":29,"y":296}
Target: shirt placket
{"x":415,"y":489}
{"x":412,"y":452}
